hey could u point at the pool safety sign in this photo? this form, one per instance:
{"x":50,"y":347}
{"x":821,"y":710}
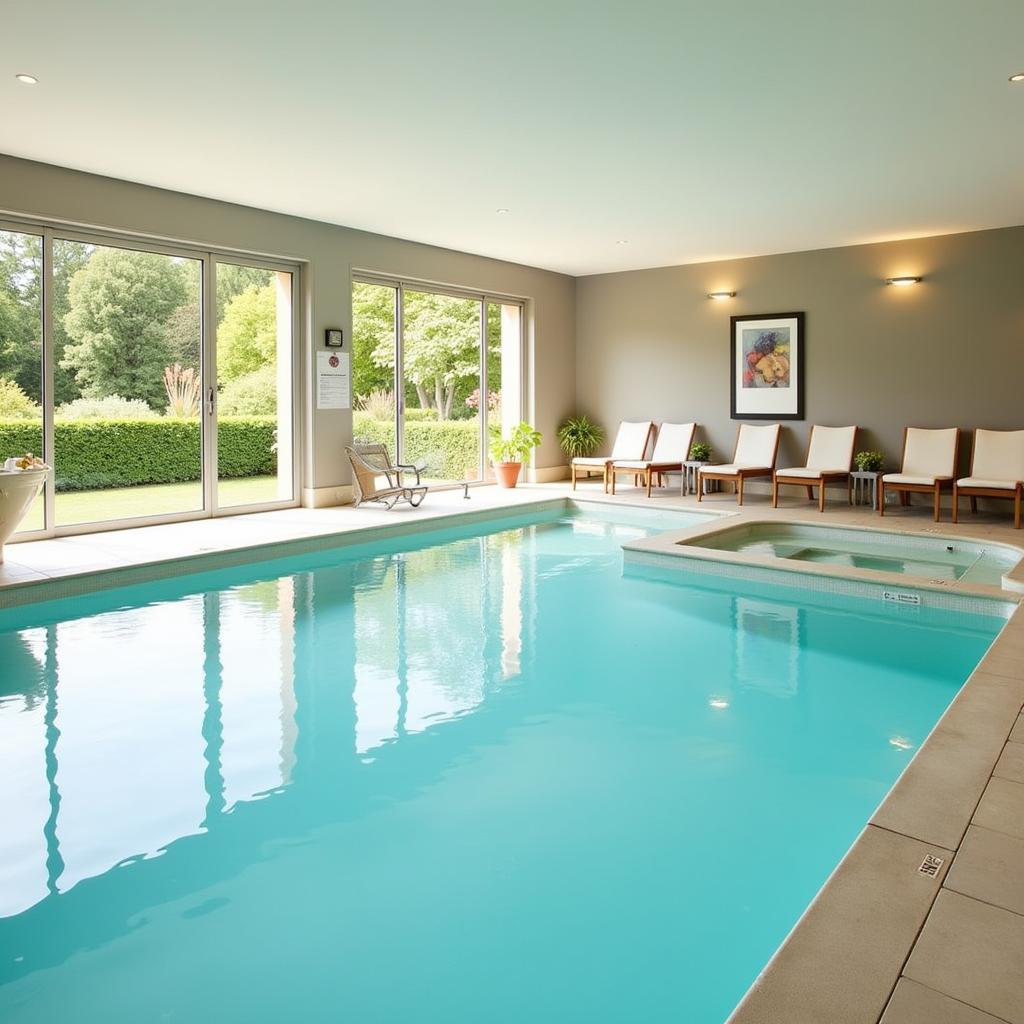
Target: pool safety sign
{"x":333,"y":380}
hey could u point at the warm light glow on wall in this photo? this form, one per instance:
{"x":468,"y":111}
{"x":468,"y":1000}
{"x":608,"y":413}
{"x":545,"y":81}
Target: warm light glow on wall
{"x":721,"y":295}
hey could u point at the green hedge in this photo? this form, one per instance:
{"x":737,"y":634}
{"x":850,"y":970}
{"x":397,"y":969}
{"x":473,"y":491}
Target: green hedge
{"x":92,"y":454}
{"x":450,"y":448}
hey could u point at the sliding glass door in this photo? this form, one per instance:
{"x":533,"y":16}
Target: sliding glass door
{"x":127,"y":354}
{"x":158,"y":381}
{"x":21,"y":356}
{"x":436,"y":374}
{"x":254,"y":404}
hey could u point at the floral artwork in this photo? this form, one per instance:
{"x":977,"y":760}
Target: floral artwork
{"x":767,"y":366}
{"x":766,"y":354}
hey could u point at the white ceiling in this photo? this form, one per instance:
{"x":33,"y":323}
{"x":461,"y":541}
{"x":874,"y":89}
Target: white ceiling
{"x":696,"y":131}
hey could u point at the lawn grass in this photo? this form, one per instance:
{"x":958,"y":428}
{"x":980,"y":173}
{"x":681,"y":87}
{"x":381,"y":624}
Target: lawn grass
{"x":77,"y":507}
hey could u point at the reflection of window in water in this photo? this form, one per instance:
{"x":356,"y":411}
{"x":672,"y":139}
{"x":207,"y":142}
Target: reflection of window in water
{"x":24,"y":792}
{"x":257,"y":690}
{"x":767,"y":647}
{"x":130,"y":752}
{"x":147,"y":720}
{"x":432,"y":629}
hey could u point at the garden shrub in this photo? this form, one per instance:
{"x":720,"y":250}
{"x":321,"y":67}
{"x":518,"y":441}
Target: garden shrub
{"x":110,"y":407}
{"x":450,"y":448}
{"x":15,"y":404}
{"x":95,"y":453}
{"x":252,"y":394}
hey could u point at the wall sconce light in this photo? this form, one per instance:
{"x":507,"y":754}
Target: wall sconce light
{"x":721,"y":295}
{"x":902,"y":282}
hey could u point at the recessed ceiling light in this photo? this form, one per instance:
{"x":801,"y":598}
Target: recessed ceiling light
{"x":27,"y":79}
{"x":622,"y":241}
{"x":1019,"y":77}
{"x":502,"y":210}
{"x":721,"y":295}
{"x":902,"y":282}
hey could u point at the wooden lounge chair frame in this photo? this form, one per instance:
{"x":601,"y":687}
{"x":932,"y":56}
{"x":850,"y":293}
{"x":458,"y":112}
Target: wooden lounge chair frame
{"x":650,"y":468}
{"x":601,"y":463}
{"x":810,"y":482}
{"x":906,"y":489}
{"x":740,"y":474}
{"x":370,"y":462}
{"x":1015,"y":494}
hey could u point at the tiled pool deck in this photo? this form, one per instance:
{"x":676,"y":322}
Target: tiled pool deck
{"x":883,"y":940}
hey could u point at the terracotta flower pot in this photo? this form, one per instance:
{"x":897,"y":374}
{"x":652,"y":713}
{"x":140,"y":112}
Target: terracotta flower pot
{"x":507,"y":473}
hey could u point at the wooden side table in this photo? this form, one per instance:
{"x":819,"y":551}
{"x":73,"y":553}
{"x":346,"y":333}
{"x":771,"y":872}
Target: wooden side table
{"x":865,"y":487}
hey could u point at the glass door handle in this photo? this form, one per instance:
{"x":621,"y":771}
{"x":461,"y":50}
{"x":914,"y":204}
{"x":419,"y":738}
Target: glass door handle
{"x":209,"y":400}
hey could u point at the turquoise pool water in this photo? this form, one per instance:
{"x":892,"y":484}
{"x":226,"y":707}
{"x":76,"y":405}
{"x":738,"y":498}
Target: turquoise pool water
{"x":474,"y":777}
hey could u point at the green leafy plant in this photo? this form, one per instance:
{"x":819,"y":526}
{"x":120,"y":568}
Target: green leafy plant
{"x":15,"y":404}
{"x":517,"y":446}
{"x":700,"y":451}
{"x":868,"y":462}
{"x":579,"y":436}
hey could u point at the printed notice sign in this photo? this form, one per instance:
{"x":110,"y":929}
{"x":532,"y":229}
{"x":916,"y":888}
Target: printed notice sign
{"x":333,"y":380}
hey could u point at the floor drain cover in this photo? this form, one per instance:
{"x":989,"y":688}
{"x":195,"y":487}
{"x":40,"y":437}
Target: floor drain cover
{"x":930,"y":865}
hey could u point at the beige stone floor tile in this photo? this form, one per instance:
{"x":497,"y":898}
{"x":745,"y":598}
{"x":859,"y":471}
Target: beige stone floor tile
{"x":842,"y":961}
{"x":1002,"y":664}
{"x":912,"y":1003}
{"x":1011,"y":763}
{"x":934,"y":798}
{"x":989,"y":866}
{"x":1017,"y":734}
{"x":973,"y":952}
{"x":1002,"y":807}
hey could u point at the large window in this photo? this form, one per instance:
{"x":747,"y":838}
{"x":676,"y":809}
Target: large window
{"x":21,"y":354}
{"x":158,"y":381}
{"x":436,"y":375}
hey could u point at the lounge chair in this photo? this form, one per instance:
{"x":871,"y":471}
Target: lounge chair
{"x":997,"y":471}
{"x":929,"y":463}
{"x":631,"y":442}
{"x":375,"y":478}
{"x":829,"y":454}
{"x":756,"y":449}
{"x":671,"y":450}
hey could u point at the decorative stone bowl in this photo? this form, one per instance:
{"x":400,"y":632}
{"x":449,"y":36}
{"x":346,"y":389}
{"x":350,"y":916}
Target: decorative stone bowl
{"x":18,"y":489}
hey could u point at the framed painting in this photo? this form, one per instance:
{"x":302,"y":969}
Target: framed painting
{"x":767,"y":373}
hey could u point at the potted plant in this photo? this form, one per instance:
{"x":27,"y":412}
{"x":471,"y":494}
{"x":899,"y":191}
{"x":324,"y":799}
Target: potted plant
{"x":700,"y":451}
{"x":508,"y":454}
{"x":868,"y":462}
{"x":579,"y":437}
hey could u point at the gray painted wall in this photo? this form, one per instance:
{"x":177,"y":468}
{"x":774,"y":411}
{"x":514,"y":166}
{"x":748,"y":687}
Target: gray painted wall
{"x":946,"y":352}
{"x":330,"y":252}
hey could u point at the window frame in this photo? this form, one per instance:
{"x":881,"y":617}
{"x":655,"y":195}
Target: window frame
{"x":50,"y":230}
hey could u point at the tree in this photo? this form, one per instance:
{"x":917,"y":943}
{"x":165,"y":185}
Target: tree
{"x":21,"y":343}
{"x":119,"y":306}
{"x":440,"y":342}
{"x":233,"y":279}
{"x":68,"y":259}
{"x":247,"y":334}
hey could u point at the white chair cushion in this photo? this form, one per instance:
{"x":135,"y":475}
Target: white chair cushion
{"x":637,"y":464}
{"x":998,"y":455}
{"x":976,"y":481}
{"x":590,"y":460}
{"x":730,"y":467}
{"x":908,"y":478}
{"x":831,"y":448}
{"x":930,"y":453}
{"x":806,"y":471}
{"x":632,"y":440}
{"x":755,"y":446}
{"x":673,"y":444}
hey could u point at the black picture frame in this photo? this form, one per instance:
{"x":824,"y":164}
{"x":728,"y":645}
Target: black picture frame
{"x":790,"y":405}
